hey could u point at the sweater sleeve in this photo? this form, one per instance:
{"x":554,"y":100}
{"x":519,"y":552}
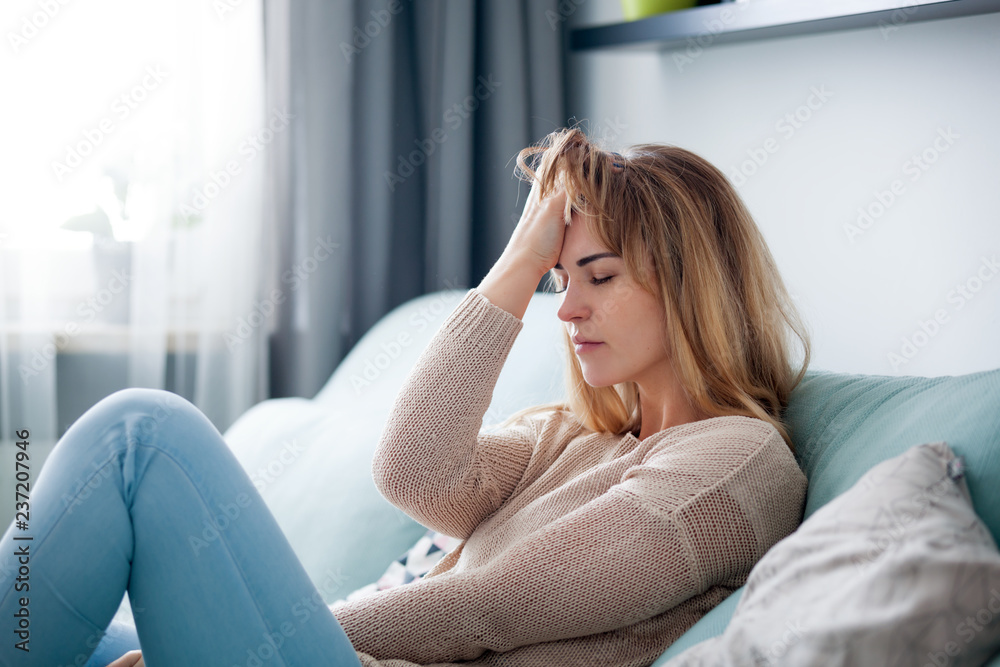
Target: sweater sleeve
{"x":686,"y":519}
{"x":432,"y":462}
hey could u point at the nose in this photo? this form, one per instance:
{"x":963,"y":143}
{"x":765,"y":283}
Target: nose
{"x":573,"y":305}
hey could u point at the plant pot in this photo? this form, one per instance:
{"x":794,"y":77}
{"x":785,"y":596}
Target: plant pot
{"x":640,"y":9}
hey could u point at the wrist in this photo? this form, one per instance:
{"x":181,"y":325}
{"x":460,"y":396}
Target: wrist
{"x":511,"y":283}
{"x":521,"y":264}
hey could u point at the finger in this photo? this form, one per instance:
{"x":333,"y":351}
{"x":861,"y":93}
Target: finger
{"x":558,"y":200}
{"x":536,"y":186}
{"x":130,"y":659}
{"x":534,"y":194}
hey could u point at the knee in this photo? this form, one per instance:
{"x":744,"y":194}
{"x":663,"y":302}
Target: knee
{"x":146,"y":411}
{"x":142,"y":400}
{"x":121,"y":421}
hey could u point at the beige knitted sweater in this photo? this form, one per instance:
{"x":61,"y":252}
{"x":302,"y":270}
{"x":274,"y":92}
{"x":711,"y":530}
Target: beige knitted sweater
{"x":580,"y":548}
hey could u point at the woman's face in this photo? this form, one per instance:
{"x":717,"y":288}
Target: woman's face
{"x":601,"y":303}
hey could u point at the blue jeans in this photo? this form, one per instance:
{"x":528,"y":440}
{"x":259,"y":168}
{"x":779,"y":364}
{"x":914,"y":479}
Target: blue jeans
{"x":142,"y":494}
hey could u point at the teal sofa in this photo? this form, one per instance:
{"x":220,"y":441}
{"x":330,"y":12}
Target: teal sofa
{"x":310,"y":458}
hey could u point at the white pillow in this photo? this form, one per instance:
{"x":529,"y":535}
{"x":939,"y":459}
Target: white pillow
{"x":898,"y":570}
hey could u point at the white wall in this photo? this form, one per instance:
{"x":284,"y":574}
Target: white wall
{"x":890,"y":96}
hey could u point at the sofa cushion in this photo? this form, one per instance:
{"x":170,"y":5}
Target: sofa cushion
{"x":312,"y":466}
{"x":898,"y":570}
{"x":843,"y":424}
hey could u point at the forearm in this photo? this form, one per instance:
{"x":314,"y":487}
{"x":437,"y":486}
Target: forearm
{"x":431,"y":460}
{"x":552,"y":586}
{"x":511,"y":283}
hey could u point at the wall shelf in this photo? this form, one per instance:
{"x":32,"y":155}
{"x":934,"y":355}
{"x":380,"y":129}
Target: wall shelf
{"x":765,"y":19}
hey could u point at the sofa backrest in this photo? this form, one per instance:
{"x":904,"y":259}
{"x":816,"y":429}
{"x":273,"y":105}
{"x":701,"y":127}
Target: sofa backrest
{"x":377,"y":365}
{"x":843,"y":424}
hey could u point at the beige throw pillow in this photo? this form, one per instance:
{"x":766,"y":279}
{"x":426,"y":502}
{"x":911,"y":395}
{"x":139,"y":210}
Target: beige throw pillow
{"x":898,"y":570}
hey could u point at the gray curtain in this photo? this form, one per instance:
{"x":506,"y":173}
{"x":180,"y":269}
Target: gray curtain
{"x":397,"y":176}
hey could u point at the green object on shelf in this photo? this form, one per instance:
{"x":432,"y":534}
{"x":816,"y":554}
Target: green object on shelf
{"x":640,"y":9}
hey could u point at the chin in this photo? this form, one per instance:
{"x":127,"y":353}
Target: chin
{"x":597,"y":380}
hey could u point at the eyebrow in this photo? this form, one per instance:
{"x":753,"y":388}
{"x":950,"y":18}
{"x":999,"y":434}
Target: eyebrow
{"x":588,"y":259}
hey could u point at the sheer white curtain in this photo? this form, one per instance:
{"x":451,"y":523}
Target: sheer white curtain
{"x":131,"y":237}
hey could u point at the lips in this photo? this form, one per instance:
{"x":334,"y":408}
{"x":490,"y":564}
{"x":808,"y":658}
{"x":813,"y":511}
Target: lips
{"x":584,"y":345}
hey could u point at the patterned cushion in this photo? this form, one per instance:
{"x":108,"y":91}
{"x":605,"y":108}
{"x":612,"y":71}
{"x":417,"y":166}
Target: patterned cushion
{"x":413,"y":564}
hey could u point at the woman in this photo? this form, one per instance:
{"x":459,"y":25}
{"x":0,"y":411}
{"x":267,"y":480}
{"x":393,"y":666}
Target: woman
{"x":595,"y":531}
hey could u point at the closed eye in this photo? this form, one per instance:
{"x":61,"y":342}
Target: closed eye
{"x":593,"y":281}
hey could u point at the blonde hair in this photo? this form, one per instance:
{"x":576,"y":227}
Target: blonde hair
{"x":730,"y":323}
